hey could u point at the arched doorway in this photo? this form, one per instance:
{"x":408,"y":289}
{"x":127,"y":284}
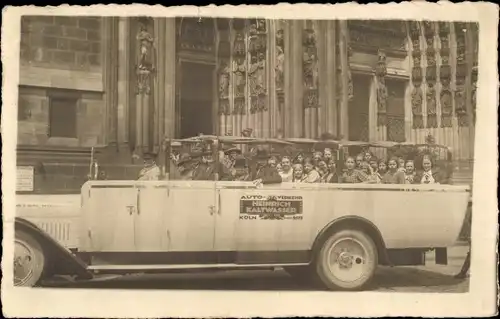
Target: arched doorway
{"x":196,"y":93}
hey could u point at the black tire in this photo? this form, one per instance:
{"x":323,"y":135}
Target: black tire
{"x":28,"y":253}
{"x":360,"y":264}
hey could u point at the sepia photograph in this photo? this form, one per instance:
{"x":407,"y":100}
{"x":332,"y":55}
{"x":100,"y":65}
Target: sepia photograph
{"x":193,"y":152}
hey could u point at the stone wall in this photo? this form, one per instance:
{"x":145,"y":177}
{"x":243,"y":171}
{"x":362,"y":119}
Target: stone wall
{"x":61,"y":42}
{"x":33,"y":119}
{"x":62,"y":55}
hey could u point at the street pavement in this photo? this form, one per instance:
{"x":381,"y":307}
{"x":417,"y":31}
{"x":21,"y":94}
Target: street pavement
{"x":428,"y":278}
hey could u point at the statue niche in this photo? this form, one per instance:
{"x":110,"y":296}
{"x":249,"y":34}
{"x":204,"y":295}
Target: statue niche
{"x":145,"y":68}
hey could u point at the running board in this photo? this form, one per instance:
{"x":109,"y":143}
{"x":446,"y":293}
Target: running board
{"x":137,"y":268}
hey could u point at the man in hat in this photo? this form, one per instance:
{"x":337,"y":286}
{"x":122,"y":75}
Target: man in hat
{"x":150,"y":172}
{"x":241,"y":172}
{"x":184,"y":168}
{"x":262,"y":172}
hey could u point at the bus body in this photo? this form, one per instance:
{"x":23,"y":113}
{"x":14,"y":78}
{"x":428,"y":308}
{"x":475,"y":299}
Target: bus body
{"x":334,"y":234}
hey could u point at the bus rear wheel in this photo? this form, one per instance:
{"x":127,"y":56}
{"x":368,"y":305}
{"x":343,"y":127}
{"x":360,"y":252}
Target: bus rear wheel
{"x":347,"y":260}
{"x":29,"y":260}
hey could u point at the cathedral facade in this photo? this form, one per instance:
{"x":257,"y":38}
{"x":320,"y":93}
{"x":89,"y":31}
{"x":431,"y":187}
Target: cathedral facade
{"x":120,"y":85}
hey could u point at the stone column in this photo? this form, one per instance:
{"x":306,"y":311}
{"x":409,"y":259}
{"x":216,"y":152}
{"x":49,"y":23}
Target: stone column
{"x":295,"y":94}
{"x":123,"y":80}
{"x":145,"y":68}
{"x":169,"y":55}
{"x":344,"y":69}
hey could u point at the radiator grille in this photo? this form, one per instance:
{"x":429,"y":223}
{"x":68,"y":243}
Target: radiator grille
{"x":63,"y":231}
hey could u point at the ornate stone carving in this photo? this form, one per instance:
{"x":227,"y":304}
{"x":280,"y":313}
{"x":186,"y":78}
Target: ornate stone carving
{"x":461,"y":72}
{"x":257,"y":77}
{"x":382,"y":94}
{"x":145,"y":57}
{"x":239,"y":44}
{"x":446,"y":100}
{"x":257,"y":38}
{"x":372,"y":35}
{"x":416,"y":75}
{"x":224,"y":81}
{"x":474,"y":91}
{"x":197,"y":35}
{"x":239,"y":71}
{"x":430,"y":74}
{"x":431,"y":107}
{"x":310,"y":68}
{"x":280,"y":60}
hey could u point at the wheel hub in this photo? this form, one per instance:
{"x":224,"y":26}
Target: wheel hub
{"x":347,"y":259}
{"x":23,"y":263}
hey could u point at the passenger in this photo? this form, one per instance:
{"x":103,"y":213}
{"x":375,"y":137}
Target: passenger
{"x":382,"y":167}
{"x":359,"y":160}
{"x":373,"y":176}
{"x":393,"y":175}
{"x":262,"y":173}
{"x":327,"y":155}
{"x":241,"y":172}
{"x":351,"y":174}
{"x":272,"y":161}
{"x":230,"y":152}
{"x":185,"y":167}
{"x":298,"y":173}
{"x":317,"y":156}
{"x":429,"y":174}
{"x":286,"y":169}
{"x":373,"y":164}
{"x":322,"y":169}
{"x":368,"y":156}
{"x":299,"y":158}
{"x":311,"y":175}
{"x":409,"y":172}
{"x":202,"y":171}
{"x":151,"y":171}
{"x":401,"y":164}
{"x":333,"y":176}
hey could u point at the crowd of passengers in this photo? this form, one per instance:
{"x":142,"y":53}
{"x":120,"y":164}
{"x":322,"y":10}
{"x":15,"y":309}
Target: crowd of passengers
{"x":314,"y":167}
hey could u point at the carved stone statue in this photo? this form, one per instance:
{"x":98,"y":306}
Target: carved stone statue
{"x":257,"y":75}
{"x":280,"y":68}
{"x":431,"y":100}
{"x":224,"y":79}
{"x":239,"y":44}
{"x":446,"y":102}
{"x":416,"y":101}
{"x":145,"y":68}
{"x":146,"y":41}
{"x":239,"y":70}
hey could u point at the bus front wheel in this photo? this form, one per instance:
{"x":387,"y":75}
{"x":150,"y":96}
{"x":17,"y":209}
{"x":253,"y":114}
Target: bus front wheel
{"x":29,"y":260}
{"x":347,"y":260}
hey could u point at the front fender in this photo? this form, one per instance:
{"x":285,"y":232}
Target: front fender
{"x":62,"y":261}
{"x":357,"y":222}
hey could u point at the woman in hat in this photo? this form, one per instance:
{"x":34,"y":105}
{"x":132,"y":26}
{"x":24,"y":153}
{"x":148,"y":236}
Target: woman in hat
{"x":262,"y":173}
{"x":150,"y":172}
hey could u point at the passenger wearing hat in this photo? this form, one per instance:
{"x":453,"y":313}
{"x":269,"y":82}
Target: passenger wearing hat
{"x":241,"y":171}
{"x":150,"y":172}
{"x":184,"y":167}
{"x":202,"y":171}
{"x":262,"y":173}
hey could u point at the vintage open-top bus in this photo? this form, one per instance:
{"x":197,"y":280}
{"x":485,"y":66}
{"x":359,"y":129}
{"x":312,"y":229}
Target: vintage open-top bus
{"x":334,"y":234}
